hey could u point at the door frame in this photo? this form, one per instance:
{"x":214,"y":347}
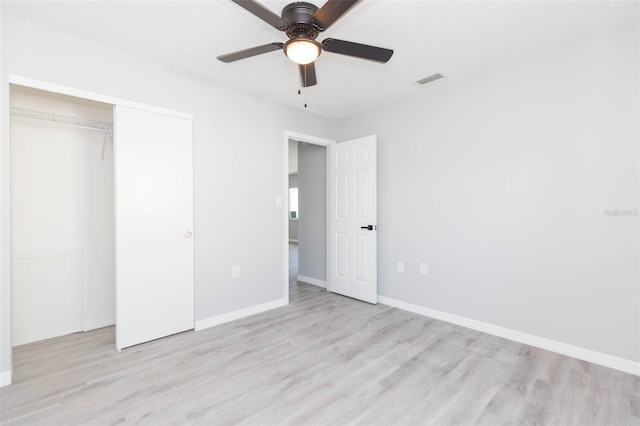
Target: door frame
{"x":315,"y":140}
{"x":46,"y":86}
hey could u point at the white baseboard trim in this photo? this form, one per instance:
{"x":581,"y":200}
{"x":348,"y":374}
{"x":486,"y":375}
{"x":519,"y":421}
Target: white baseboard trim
{"x":599,"y":358}
{"x":313,"y":281}
{"x":5,"y":378}
{"x":99,"y":323}
{"x":232,"y":316}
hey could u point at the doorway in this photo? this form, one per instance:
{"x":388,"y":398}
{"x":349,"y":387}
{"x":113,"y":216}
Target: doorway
{"x":350,"y":218}
{"x":306,"y":212}
{"x":293,"y":213}
{"x":62,"y":210}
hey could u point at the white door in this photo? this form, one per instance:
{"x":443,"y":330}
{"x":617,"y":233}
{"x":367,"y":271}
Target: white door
{"x":352,"y":219}
{"x":154,"y":225}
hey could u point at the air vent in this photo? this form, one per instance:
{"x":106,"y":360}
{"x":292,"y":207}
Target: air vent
{"x":429,"y":79}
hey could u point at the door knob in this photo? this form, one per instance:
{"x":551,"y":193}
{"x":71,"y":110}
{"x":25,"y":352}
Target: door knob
{"x":188,"y":234}
{"x":368,"y":227}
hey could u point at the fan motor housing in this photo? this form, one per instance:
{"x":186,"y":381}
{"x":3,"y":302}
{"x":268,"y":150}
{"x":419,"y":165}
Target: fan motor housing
{"x":299,"y":19}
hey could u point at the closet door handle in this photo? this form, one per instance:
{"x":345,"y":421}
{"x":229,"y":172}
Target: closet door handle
{"x":188,"y":234}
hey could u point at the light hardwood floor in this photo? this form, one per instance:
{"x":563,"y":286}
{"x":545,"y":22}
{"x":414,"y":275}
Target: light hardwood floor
{"x":322,"y":360}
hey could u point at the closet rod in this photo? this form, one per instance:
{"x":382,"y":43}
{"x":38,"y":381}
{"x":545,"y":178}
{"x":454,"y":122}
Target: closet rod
{"x":63,"y":120}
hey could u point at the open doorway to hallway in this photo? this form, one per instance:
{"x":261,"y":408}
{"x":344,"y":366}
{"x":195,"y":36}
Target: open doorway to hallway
{"x":307,"y":213}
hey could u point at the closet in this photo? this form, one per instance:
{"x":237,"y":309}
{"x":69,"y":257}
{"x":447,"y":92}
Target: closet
{"x":62,"y":210}
{"x":102,"y":216}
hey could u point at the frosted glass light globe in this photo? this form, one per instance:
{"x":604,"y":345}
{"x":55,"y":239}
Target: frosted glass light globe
{"x":302,"y":51}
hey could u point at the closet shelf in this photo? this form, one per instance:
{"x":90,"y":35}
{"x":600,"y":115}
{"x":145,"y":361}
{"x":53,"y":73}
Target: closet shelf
{"x":65,"y":120}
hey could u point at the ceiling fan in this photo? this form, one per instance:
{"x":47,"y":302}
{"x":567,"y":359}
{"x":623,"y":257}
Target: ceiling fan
{"x":302,"y":22}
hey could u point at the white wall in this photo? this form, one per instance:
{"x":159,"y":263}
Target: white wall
{"x":62,"y":196}
{"x":501,"y":183}
{"x":235,"y":224}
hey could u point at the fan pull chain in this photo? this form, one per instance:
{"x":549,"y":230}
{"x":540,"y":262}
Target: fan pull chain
{"x":300,"y":89}
{"x":305,"y":86}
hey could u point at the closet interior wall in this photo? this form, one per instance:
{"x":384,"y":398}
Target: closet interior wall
{"x":62,"y":183}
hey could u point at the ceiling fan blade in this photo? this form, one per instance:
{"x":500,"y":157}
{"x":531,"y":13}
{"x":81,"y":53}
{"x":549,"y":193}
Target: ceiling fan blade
{"x":307,"y":75}
{"x":331,"y":12}
{"x":363,"y":51}
{"x":252,"y":51}
{"x":262,"y":12}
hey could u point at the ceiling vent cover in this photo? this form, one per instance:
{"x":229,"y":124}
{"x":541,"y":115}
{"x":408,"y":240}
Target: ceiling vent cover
{"x":429,"y":79}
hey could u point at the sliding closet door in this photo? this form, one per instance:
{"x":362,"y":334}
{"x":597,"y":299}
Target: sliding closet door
{"x":154,"y":225}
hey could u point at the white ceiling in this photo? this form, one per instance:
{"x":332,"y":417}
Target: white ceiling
{"x":453,"y":38}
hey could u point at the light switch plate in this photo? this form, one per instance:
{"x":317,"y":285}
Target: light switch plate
{"x":424,"y":268}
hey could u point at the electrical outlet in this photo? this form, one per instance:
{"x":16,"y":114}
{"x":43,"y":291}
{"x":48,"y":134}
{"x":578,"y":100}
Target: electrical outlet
{"x":401,"y":267}
{"x":235,"y":272}
{"x":424,"y":268}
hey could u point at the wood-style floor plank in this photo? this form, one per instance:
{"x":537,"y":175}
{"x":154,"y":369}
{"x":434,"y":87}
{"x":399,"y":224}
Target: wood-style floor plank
{"x":322,"y":360}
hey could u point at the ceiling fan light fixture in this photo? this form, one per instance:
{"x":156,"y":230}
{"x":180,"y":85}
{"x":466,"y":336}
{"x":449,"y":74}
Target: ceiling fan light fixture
{"x":302,"y":51}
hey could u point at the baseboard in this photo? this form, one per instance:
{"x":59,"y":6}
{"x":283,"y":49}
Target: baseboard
{"x":313,"y":281}
{"x":99,"y":323}
{"x":293,"y":241}
{"x":5,"y":378}
{"x":599,"y":358}
{"x":232,"y":316}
